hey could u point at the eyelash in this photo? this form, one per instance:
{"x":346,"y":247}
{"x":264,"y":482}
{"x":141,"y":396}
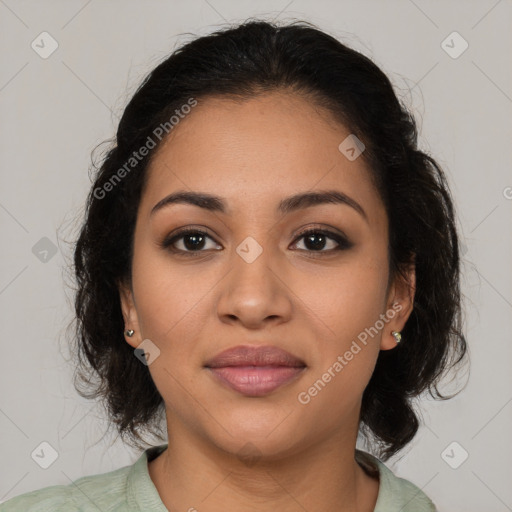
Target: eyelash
{"x":343,"y":243}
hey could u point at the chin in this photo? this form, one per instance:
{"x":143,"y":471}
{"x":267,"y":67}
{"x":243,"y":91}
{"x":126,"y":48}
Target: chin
{"x":251,"y":449}
{"x":254,"y":436}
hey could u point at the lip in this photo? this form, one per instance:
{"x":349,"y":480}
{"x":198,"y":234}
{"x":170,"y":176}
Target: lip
{"x":247,"y":355}
{"x":255,"y":371}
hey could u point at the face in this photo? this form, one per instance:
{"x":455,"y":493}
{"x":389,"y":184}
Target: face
{"x":245,"y":274}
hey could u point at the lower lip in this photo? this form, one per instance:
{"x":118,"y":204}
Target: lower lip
{"x":256,"y":380}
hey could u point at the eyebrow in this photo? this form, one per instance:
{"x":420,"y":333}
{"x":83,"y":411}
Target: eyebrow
{"x":290,"y":204}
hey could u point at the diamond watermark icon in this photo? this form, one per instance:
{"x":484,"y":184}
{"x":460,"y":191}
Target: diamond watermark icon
{"x":146,"y":352}
{"x":44,"y":455}
{"x":249,"y":454}
{"x":454,"y":455}
{"x":44,"y":45}
{"x":249,"y":249}
{"x":454,"y":45}
{"x":351,"y":147}
{"x":44,"y":250}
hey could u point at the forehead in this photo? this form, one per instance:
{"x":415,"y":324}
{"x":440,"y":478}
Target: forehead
{"x":256,"y":151}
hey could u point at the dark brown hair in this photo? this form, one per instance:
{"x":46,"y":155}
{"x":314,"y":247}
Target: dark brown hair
{"x":240,"y":62}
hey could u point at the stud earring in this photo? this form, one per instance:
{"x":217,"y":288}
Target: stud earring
{"x":397,"y":336}
{"x":129,"y":332}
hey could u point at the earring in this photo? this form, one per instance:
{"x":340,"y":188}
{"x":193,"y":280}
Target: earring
{"x":129,"y":332}
{"x":397,"y":336}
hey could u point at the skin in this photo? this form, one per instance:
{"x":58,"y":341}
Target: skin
{"x":311,"y":302}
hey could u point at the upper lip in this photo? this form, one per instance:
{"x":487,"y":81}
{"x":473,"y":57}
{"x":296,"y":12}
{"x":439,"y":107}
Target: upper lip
{"x":247,"y":355}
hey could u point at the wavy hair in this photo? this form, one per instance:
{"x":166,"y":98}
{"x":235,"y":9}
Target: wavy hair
{"x":240,"y":62}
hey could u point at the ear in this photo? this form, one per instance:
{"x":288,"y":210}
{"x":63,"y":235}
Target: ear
{"x":131,"y":319}
{"x":399,"y":306}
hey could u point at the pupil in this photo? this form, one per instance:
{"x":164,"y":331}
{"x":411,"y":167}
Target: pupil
{"x":195,"y":239}
{"x":313,"y":245}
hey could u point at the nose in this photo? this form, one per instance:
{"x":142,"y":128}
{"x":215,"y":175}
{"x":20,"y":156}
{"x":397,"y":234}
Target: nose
{"x":255,"y":294}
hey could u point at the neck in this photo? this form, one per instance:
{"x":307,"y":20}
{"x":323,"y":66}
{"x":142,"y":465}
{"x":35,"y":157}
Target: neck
{"x":192,"y":474}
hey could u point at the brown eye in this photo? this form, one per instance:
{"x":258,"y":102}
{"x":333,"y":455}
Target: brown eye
{"x":316,"y":240}
{"x":188,"y":241}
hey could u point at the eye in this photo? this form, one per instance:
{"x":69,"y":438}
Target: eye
{"x":318,"y":240}
{"x":188,"y":241}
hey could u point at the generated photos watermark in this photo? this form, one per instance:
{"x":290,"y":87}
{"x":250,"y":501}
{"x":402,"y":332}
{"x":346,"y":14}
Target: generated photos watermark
{"x":159,"y":132}
{"x":304,"y":397}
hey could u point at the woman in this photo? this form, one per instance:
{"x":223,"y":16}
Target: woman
{"x":269,"y":262}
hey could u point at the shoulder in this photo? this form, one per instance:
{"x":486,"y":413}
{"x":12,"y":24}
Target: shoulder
{"x":106,"y":491}
{"x":395,"y":493}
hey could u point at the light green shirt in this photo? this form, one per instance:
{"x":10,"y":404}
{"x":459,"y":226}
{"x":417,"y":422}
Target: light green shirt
{"x":130,"y":489}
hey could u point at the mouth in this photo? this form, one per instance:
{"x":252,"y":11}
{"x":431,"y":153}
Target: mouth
{"x":255,"y":371}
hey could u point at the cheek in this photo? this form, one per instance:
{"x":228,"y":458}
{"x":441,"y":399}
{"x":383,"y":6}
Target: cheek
{"x":346,"y":355}
{"x":171,"y":306}
{"x":174,"y":304}
{"x":347,"y":305}
{"x":348,"y":299}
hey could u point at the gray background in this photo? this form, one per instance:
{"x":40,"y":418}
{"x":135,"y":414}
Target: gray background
{"x":54,"y":111}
